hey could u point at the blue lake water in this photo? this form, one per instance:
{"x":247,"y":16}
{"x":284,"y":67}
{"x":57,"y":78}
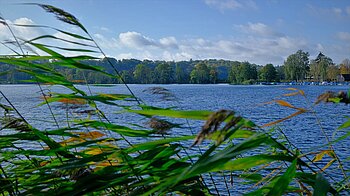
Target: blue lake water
{"x":253,"y":102}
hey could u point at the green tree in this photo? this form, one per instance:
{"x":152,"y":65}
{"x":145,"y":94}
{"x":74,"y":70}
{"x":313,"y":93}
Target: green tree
{"x":163,"y":73}
{"x":297,"y":65}
{"x":233,"y":72}
{"x":200,"y":74}
{"x":180,"y":75}
{"x":246,"y":72}
{"x":243,"y":72}
{"x":345,"y":67}
{"x":213,"y":75}
{"x":280,"y":73}
{"x":127,"y":76}
{"x":143,"y":74}
{"x":319,"y":67}
{"x":268,"y":73}
{"x":333,"y":73}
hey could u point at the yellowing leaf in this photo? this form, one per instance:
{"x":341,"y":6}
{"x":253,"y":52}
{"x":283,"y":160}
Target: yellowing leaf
{"x":320,"y":155}
{"x":78,"y":81}
{"x":71,"y":140}
{"x":292,"y":89}
{"x":328,"y":164}
{"x":93,"y":135}
{"x":44,"y":163}
{"x":284,"y":103}
{"x":283,"y":119}
{"x":301,"y":92}
{"x":83,"y":136}
{"x":107,"y":163}
{"x":291,"y":94}
{"x":90,"y":135}
{"x":287,"y":104}
{"x":94,"y":151}
{"x":75,"y":101}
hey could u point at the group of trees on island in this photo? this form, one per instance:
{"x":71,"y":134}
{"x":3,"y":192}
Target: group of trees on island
{"x":297,"y":67}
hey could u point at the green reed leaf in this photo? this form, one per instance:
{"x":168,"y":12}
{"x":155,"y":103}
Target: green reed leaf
{"x":59,"y":30}
{"x":152,"y":144}
{"x":61,"y":39}
{"x":74,"y":35}
{"x":322,"y":186}
{"x":194,"y":114}
{"x":71,"y":49}
{"x":283,"y":182}
{"x":123,"y":130}
{"x":345,"y":125}
{"x":22,"y":63}
{"x":253,"y":161}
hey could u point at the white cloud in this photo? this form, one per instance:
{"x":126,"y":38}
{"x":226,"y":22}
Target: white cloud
{"x":21,"y":32}
{"x":124,"y":56}
{"x":178,"y":56}
{"x":344,"y":36}
{"x":255,"y":49}
{"x":331,"y":12}
{"x":105,"y":29}
{"x":168,"y":42}
{"x":269,"y":47}
{"x":337,"y":11}
{"x":105,"y":42}
{"x":259,"y":29}
{"x":224,"y":5}
{"x":135,"y":40}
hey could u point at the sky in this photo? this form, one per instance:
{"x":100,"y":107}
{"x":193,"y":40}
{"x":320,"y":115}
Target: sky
{"x":258,"y":31}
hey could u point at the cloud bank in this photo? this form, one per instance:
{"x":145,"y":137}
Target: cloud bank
{"x":258,"y":43}
{"x":261,"y":45}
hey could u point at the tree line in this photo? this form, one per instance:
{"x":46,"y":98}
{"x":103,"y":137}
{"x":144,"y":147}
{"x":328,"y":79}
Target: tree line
{"x":297,"y":67}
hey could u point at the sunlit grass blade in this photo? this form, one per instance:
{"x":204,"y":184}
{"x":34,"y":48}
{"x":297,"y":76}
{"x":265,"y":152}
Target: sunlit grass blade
{"x":253,"y":161}
{"x":152,"y":144}
{"x":194,"y":114}
{"x":345,"y":125}
{"x":25,"y":64}
{"x":45,"y":48}
{"x":123,"y":130}
{"x":61,"y":39}
{"x":78,"y":99}
{"x":74,"y":35}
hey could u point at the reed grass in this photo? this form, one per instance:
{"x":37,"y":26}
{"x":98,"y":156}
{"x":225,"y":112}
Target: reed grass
{"x":91,"y":154}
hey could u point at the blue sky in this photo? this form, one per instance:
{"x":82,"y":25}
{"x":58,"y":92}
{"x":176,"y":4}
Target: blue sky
{"x":258,"y":31}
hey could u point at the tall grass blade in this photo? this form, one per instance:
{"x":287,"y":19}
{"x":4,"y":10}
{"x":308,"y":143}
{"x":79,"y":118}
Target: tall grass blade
{"x":283,"y":182}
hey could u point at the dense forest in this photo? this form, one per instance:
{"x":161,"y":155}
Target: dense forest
{"x":297,"y":67}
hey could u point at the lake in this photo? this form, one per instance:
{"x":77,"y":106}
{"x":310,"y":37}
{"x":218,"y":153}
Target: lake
{"x":252,"y":102}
